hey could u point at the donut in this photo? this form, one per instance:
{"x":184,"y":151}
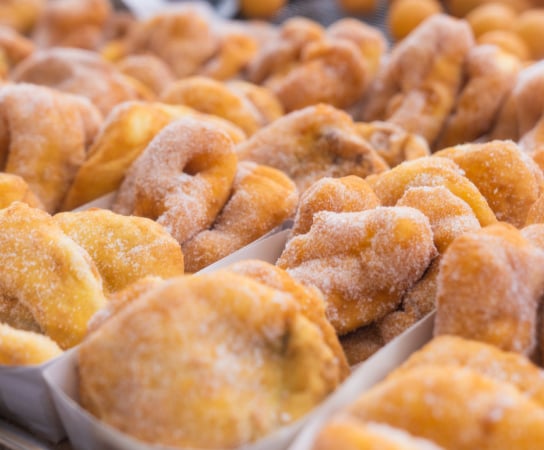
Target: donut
{"x":310,"y":144}
{"x":126,"y":132}
{"x":25,"y":348}
{"x":14,"y":188}
{"x":151,"y":71}
{"x":124,"y":248}
{"x":363,"y":262}
{"x":390,"y":186}
{"x":52,"y":276}
{"x":261,"y":199}
{"x":501,"y":287}
{"x":510,"y":181}
{"x":44,"y":138}
{"x":242,"y":356}
{"x":309,"y":299}
{"x":182,"y":179}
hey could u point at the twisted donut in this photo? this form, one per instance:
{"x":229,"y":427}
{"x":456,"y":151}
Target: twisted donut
{"x":52,"y":276}
{"x":182,"y":179}
{"x":261,"y":199}
{"x":23,"y":348}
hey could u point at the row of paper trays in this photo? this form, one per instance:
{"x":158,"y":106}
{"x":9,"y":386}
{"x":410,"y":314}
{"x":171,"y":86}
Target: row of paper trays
{"x":44,"y":399}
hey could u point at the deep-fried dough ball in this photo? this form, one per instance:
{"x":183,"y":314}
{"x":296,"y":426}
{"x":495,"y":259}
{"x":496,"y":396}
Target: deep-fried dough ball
{"x":494,"y":277}
{"x":46,"y":271}
{"x":393,"y":143}
{"x":490,"y":76}
{"x":390,"y":186}
{"x":363,"y":262}
{"x":261,"y":9}
{"x":123,"y":248}
{"x":182,"y":179}
{"x":241,"y":355}
{"x":509,"y":180}
{"x":405,"y":15}
{"x":43,"y":138}
{"x":507,"y":41}
{"x":345,"y":194}
{"x":490,"y":17}
{"x":419,"y":97}
{"x":343,"y":431}
{"x":449,"y":215}
{"x":310,"y":300}
{"x":457,"y":408}
{"x":312,"y":143}
{"x":488,"y":360}
{"x":14,"y":188}
{"x":24,"y":348}
{"x":530,"y":27}
{"x":261,"y":199}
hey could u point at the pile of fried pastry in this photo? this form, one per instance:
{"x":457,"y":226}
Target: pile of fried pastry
{"x":412,"y":175}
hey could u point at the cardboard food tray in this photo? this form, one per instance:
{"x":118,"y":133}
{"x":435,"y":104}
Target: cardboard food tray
{"x":25,"y":400}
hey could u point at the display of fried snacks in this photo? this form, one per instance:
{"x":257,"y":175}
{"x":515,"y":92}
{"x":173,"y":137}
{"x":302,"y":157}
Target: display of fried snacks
{"x":492,"y":276}
{"x":310,"y":300}
{"x":312,"y":143}
{"x":242,"y":355}
{"x":44,"y":138}
{"x":419,"y":97}
{"x":390,"y":186}
{"x":14,"y":188}
{"x":48,"y":273}
{"x":182,"y":179}
{"x":261,"y":199}
{"x":77,"y":71}
{"x":25,"y":348}
{"x":124,"y":248}
{"x":363,"y":262}
{"x":393,"y":143}
{"x":345,"y":194}
{"x":509,"y":180}
{"x":491,"y":74}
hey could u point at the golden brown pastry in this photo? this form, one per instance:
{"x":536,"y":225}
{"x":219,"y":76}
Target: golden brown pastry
{"x":264,"y":102}
{"x":21,"y":15}
{"x":79,"y":72}
{"x":15,"y":47}
{"x":417,"y":302}
{"x":25,"y":348}
{"x":536,"y":211}
{"x":72,"y":23}
{"x":345,"y":194}
{"x":312,"y":143}
{"x":390,"y":186}
{"x":52,"y":276}
{"x":13,"y":188}
{"x":490,"y":76}
{"x":261,"y":199}
{"x":123,"y":248}
{"x":454,"y":351}
{"x":242,"y":355}
{"x":215,"y":97}
{"x":309,"y":299}
{"x":44,"y":137}
{"x":509,"y":180}
{"x":490,"y":17}
{"x":393,"y":143}
{"x":348,"y":433}
{"x":455,"y":407}
{"x":507,"y":41}
{"x":153,"y":72}
{"x":419,"y":97}
{"x":404,"y":16}
{"x":126,"y":132}
{"x":363,"y":262}
{"x":493,"y":277}
{"x":182,"y":38}
{"x":182,"y":179}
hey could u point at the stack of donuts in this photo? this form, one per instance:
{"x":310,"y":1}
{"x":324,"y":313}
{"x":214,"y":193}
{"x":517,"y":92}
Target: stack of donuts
{"x":410,"y":173}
